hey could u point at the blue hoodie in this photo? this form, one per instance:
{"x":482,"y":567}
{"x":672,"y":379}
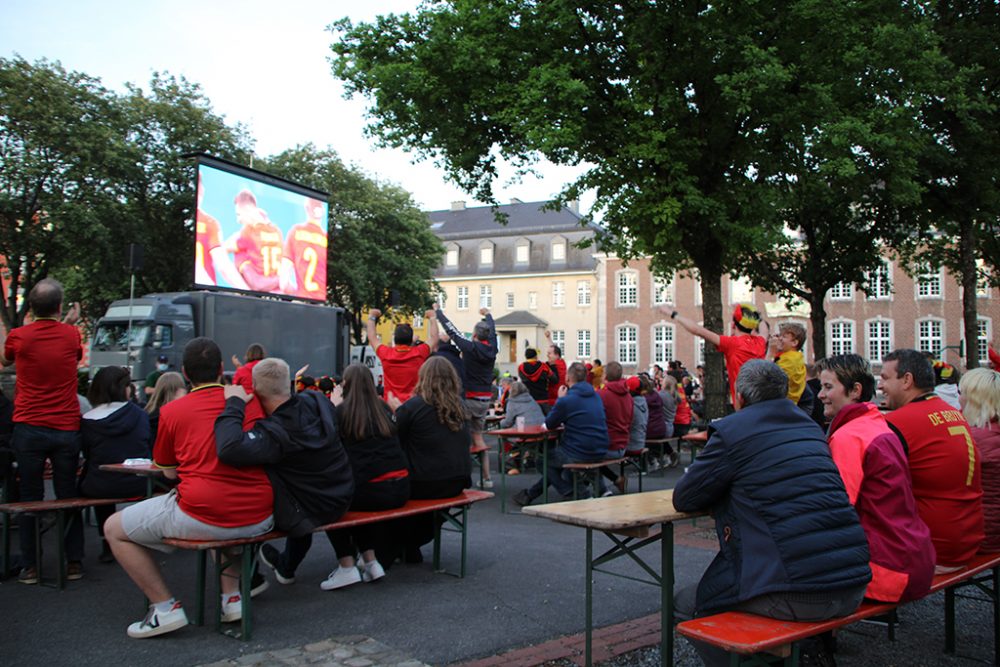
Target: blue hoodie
{"x":581,"y":411}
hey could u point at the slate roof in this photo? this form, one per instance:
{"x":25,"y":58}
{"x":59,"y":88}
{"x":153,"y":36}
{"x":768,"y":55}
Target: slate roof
{"x":522,"y":218}
{"x":519,"y":318}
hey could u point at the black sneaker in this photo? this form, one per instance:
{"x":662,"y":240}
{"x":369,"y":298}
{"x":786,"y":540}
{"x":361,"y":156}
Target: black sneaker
{"x":271,"y":557}
{"x":28,"y":575}
{"x":522,"y":498}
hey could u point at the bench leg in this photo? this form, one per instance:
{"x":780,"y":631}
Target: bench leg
{"x":6,"y":544}
{"x":996,"y":615}
{"x":437,"y":540}
{"x":246,"y":584}
{"x":667,"y":594}
{"x":949,"y":620}
{"x":460,"y":523}
{"x":199,"y":618}
{"x":589,"y":585}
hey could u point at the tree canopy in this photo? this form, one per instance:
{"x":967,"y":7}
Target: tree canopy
{"x":692,"y":117}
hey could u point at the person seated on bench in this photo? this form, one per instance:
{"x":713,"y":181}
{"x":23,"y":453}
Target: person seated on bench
{"x":115,"y":429}
{"x":580,"y":412}
{"x":875,"y":472}
{"x":537,"y":376}
{"x":169,"y":387}
{"x":213,"y":501}
{"x":640,"y":417}
{"x":299,"y":447}
{"x":656,"y":428}
{"x":944,"y":463}
{"x":435,"y":436}
{"x":791,"y":545}
{"x":521,"y":403}
{"x":618,"y":409}
{"x":980,"y":400}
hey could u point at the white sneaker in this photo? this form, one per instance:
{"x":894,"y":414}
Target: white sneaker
{"x":487,"y":484}
{"x":232,"y":609}
{"x":159,"y":623}
{"x":342,"y":576}
{"x":372,"y":571}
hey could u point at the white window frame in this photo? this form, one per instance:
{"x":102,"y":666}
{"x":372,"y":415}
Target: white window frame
{"x":667,"y":346}
{"x":984,"y":326}
{"x":629,"y":289}
{"x":510,"y":300}
{"x":664,"y":291}
{"x":884,"y":343}
{"x":836,"y":326}
{"x":583,"y":346}
{"x":741,"y":290}
{"x":522,"y":252}
{"x":842,"y":291}
{"x":418,"y":321}
{"x":699,"y":349}
{"x":941,"y":337}
{"x":629,"y":347}
{"x":583,"y":293}
{"x":983,"y":289}
{"x":451,"y":256}
{"x":558,"y":294}
{"x":486,"y":254}
{"x":486,"y":296}
{"x":442,"y":299}
{"x":558,"y":250}
{"x":462,"y":298}
{"x":559,"y":338}
{"x":532,"y":300}
{"x":929,"y":283}
{"x":882,"y":287}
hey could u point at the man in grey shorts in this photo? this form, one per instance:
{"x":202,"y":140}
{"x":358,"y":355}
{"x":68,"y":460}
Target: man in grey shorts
{"x":212,"y":501}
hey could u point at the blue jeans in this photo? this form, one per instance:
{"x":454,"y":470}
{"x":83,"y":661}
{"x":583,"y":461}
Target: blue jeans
{"x":561,"y":480}
{"x":32,"y":445}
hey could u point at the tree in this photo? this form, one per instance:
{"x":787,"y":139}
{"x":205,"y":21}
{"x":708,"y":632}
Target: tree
{"x":669,"y":103}
{"x":59,"y":148}
{"x":960,"y":210}
{"x":381,"y":245}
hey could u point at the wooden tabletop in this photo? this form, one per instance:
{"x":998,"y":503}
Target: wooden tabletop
{"x":533,"y":431}
{"x":614,"y":513}
{"x":141,"y":469}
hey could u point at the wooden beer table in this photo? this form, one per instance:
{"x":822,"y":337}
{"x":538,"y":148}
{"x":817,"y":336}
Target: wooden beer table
{"x":154,"y":476}
{"x":536,"y":437}
{"x":631,"y":522}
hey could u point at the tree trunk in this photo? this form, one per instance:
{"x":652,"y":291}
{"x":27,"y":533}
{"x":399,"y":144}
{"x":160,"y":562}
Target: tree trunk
{"x":716,"y":387}
{"x":970,"y":316}
{"x":817,"y":317}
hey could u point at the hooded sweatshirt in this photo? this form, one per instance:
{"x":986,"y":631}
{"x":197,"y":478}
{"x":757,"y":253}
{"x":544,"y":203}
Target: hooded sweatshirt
{"x":111,"y":433}
{"x":581,"y":413}
{"x":618,"y":408}
{"x":536,"y":376}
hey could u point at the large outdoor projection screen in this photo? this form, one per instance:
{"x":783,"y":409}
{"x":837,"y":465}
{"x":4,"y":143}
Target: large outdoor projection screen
{"x":259,"y":234}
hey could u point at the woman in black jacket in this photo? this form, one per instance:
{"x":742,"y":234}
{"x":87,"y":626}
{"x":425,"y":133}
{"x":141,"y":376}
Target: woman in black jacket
{"x":115,"y":429}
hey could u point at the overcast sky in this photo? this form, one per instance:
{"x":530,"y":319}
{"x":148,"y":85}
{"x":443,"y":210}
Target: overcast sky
{"x":263,"y":64}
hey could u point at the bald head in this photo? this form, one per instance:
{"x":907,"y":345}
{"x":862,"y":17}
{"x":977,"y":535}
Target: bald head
{"x":46,"y":297}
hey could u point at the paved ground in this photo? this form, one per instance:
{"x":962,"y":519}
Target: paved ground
{"x":520,"y":604}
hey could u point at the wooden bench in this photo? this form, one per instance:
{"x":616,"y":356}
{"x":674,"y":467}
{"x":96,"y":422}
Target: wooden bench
{"x":764,"y":640}
{"x":660,"y":445}
{"x":453,"y":510}
{"x":590,"y":471}
{"x":60,"y":508}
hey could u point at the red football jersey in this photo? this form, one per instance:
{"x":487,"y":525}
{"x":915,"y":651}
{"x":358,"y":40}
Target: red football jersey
{"x":306,"y":248}
{"x":258,"y":256}
{"x":208,"y":237}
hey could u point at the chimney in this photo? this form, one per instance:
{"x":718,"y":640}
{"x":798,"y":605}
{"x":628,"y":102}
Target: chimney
{"x":574,"y":205}
{"x":458,"y":206}
{"x":515,"y":200}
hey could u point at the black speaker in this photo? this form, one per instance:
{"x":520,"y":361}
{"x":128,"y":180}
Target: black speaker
{"x":133,"y":257}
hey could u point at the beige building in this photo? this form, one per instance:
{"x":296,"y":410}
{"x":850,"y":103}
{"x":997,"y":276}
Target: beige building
{"x":528,"y":273}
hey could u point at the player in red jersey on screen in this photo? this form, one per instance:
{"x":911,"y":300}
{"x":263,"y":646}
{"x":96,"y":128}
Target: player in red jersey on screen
{"x":304,"y":273}
{"x":257,"y":248}
{"x":210,"y":257}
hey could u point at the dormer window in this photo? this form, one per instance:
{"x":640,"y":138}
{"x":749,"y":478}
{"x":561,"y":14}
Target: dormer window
{"x":486,"y":254}
{"x":558,"y":249}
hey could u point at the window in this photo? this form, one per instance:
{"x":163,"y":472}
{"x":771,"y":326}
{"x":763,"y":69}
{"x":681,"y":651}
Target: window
{"x":559,"y":338}
{"x":558,"y":294}
{"x":442,"y":299}
{"x":842,"y":291}
{"x":510,"y":300}
{"x":486,"y":255}
{"x":559,"y":250}
{"x":451,"y":259}
{"x":485,"y":296}
{"x":740,"y":290}
{"x":880,"y":282}
{"x":532,"y":300}
{"x":984,"y":339}
{"x":628,"y":288}
{"x":930,"y":335}
{"x":522,"y":252}
{"x":663,"y":344}
{"x":699,"y":351}
{"x":583,"y":293}
{"x":929,"y":282}
{"x":628,"y":345}
{"x":463,"y":298}
{"x":879,"y":340}
{"x":982,"y":280}
{"x":663,"y":290}
{"x":418,"y":321}
{"x":583,"y":344}
{"x":841,"y":337}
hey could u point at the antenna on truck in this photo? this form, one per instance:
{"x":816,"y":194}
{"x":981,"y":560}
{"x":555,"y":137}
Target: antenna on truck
{"x":134,"y":258}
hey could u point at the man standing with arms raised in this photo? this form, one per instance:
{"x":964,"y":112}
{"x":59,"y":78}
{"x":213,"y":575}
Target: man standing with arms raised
{"x":400,"y":362}
{"x":479,"y":355}
{"x":46,"y":415}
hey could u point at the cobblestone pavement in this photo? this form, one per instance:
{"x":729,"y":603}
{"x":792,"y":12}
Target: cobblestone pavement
{"x":353,"y":651}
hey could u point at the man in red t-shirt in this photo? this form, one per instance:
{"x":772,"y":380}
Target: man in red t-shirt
{"x":736,"y":350}
{"x":944,"y":462}
{"x":401,"y":362}
{"x":209,"y":255}
{"x":46,"y":415}
{"x":257,"y":248}
{"x":212,"y":501}
{"x":305,"y":256}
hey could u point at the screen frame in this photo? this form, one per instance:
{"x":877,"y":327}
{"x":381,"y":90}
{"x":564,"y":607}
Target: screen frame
{"x":261,"y":177}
